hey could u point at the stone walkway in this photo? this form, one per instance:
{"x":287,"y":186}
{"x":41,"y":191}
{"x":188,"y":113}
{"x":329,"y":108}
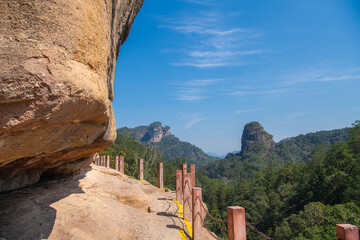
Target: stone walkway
{"x":99,"y":203}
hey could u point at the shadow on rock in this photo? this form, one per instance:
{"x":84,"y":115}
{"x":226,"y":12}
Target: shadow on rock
{"x":166,"y":214}
{"x":27,"y":213}
{"x":165,"y":199}
{"x":179,"y":228}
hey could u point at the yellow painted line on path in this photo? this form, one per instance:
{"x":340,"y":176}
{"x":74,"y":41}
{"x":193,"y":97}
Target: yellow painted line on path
{"x":144,"y":182}
{"x":187,"y":223}
{"x":182,"y":235}
{"x":180,"y":207}
{"x":188,"y":226}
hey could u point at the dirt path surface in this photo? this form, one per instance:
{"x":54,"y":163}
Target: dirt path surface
{"x":99,"y":203}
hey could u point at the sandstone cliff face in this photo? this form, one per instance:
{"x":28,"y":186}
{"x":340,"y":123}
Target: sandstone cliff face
{"x":157,"y":132}
{"x":56,"y":83}
{"x":152,"y":133}
{"x":254,"y":134}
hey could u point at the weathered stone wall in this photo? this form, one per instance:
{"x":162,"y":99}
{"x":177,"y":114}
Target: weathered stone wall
{"x":57,"y":63}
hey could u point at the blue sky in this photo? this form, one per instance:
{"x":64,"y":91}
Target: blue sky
{"x":206,"y":68}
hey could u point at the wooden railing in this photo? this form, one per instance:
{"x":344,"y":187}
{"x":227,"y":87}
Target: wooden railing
{"x":347,"y":232}
{"x":191,"y":198}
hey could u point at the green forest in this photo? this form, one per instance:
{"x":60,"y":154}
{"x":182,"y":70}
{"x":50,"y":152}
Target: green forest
{"x":300,"y":189}
{"x":296,"y":201}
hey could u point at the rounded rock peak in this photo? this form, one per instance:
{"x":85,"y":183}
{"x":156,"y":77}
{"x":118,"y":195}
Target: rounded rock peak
{"x":255,"y":135}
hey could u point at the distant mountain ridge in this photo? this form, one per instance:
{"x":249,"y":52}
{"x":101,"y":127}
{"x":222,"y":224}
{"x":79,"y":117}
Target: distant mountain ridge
{"x":299,"y":148}
{"x":223,"y":155}
{"x":169,"y":146}
{"x":216,"y":155}
{"x":258,"y":150}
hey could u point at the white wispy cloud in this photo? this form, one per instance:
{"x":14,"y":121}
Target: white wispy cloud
{"x":216,"y":58}
{"x":201,"y":2}
{"x":223,"y":54}
{"x":202,"y":82}
{"x":339,"y":78}
{"x":195,"y":89}
{"x":207,"y":63}
{"x":189,"y":94}
{"x":256,"y":92}
{"x":294,"y":116}
{"x":249,"y":110}
{"x":209,"y":40}
{"x":321,"y":75}
{"x":193,"y":119}
{"x":192,"y":122}
{"x":305,"y":76}
{"x":205,"y":31}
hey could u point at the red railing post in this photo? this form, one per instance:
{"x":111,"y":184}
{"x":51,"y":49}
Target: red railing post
{"x":141,"y":168}
{"x":97,"y":159}
{"x":347,"y":232}
{"x":117,"y":163}
{"x":121,"y":164}
{"x":160,"y":182}
{"x":187,"y":196}
{"x":183,"y":168}
{"x":103,"y":161}
{"x":196,"y":213}
{"x":179,"y":185}
{"x":107,"y":161}
{"x":236,"y":223}
{"x":183,"y":172}
{"x":192,"y":172}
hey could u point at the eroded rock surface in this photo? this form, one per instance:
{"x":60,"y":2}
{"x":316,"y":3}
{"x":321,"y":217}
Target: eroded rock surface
{"x":56,"y":84}
{"x":254,"y":135}
{"x":155,"y":132}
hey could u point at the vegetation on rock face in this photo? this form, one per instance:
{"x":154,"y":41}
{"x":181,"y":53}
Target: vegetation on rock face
{"x":253,"y":135}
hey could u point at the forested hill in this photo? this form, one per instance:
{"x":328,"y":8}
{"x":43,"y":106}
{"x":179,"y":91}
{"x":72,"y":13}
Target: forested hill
{"x":299,"y":148}
{"x":258,"y":150}
{"x":298,"y":201}
{"x":157,"y":136}
{"x":295,"y":201}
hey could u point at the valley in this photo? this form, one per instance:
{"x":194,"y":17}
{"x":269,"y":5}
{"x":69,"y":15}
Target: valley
{"x":279,"y":184}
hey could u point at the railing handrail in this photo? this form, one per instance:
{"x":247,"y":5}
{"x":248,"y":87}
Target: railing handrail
{"x":344,"y":231}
